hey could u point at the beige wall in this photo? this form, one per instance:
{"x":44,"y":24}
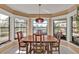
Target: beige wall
{"x":49,"y":27}
{"x":30,"y":27}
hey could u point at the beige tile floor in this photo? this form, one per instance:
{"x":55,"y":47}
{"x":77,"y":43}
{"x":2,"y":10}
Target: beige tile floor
{"x":71,"y":46}
{"x":66,"y":48}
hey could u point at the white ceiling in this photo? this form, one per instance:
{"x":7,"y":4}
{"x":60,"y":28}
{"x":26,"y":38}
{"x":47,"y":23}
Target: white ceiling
{"x":44,"y":8}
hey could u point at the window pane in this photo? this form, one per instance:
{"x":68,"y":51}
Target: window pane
{"x":75,"y":38}
{"x":20,"y":25}
{"x":4,"y":28}
{"x":60,"y":25}
{"x":40,"y":26}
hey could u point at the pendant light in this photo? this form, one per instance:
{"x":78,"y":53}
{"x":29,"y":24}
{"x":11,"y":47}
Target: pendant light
{"x":39,"y":19}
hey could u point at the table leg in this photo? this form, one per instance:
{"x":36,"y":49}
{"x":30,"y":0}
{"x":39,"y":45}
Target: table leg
{"x":26,"y":48}
{"x":47,"y":48}
{"x":50,"y":48}
{"x":30,"y":48}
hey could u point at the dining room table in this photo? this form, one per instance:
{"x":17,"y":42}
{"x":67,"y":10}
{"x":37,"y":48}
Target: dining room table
{"x":47,"y":40}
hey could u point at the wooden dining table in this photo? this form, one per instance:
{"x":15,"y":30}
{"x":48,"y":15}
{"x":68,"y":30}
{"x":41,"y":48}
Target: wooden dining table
{"x":47,"y":40}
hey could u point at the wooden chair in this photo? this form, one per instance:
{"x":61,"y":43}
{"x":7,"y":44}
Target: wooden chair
{"x":47,"y":44}
{"x":20,"y":41}
{"x":38,"y":47}
{"x":55,"y":47}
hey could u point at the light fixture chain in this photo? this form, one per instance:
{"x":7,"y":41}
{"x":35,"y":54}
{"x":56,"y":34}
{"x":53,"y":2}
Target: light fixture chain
{"x":39,"y":10}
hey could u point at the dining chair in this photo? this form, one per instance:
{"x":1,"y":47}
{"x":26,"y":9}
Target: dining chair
{"x":38,"y":45}
{"x":47,"y":44}
{"x":55,"y":46}
{"x":21,"y":44}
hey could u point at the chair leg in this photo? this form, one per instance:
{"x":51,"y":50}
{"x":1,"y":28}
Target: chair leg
{"x":47,"y":49}
{"x":59,"y":50}
{"x":51,"y":49}
{"x":26,"y":48}
{"x":19,"y":50}
{"x":30,"y":48}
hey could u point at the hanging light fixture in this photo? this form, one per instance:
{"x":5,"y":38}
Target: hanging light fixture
{"x":39,"y":19}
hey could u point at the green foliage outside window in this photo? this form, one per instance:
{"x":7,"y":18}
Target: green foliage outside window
{"x":77,"y":19}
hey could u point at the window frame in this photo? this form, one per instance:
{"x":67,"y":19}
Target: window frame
{"x":44,"y":28}
{"x":8,"y":31}
{"x":19,"y":27}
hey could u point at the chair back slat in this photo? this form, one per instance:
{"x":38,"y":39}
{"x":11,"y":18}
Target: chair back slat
{"x":21,"y":34}
{"x":18,"y":36}
{"x":38,"y":37}
{"x":34,"y":37}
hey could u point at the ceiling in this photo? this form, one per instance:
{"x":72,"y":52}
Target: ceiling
{"x":44,"y":8}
